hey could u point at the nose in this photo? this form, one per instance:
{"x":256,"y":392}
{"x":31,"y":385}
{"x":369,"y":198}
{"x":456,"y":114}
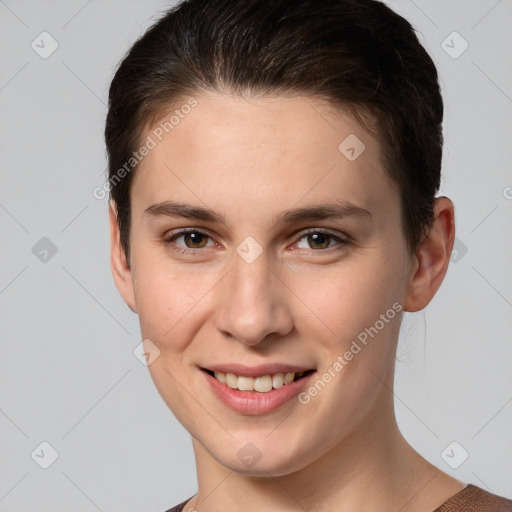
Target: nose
{"x":253,"y":304}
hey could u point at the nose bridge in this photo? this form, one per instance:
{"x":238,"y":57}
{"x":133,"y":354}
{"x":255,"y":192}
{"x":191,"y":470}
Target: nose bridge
{"x":252,"y":304}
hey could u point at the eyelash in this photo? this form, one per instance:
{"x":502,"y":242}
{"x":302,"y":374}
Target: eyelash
{"x":188,"y":250}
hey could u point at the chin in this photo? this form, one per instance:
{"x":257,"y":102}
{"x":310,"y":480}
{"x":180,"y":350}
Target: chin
{"x":261,"y":456}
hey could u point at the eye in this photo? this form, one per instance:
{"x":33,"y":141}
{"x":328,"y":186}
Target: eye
{"x":192,"y":239}
{"x":317,"y":239}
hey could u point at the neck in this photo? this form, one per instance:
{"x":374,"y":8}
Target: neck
{"x":373,"y":468}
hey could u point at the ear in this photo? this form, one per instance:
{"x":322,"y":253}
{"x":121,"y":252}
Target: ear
{"x":432,"y":257}
{"x":120,"y":269}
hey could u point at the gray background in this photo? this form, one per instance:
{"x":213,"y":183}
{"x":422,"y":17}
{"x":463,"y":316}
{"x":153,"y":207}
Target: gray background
{"x":68,"y":375}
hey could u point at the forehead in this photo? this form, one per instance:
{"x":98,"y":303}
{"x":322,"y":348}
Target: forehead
{"x":265,"y":152}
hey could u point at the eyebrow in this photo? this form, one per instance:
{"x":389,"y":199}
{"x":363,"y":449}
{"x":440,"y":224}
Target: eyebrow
{"x":324,"y":211}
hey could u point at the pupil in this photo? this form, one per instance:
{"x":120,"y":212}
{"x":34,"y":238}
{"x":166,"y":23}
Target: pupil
{"x":319,"y":239}
{"x":195,"y":239}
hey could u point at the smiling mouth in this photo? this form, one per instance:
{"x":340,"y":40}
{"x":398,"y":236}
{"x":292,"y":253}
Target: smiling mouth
{"x":260,"y":384}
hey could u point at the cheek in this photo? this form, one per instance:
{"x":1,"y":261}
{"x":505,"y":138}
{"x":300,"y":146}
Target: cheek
{"x":343,"y":301}
{"x":168,"y":299}
{"x":359,"y":312}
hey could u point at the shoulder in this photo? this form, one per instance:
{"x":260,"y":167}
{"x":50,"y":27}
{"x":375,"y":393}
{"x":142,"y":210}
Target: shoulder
{"x":181,"y":507}
{"x":475,"y":499}
{"x":470,"y":499}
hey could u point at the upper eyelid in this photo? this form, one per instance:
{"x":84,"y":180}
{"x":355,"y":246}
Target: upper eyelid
{"x":184,"y":231}
{"x":330,"y":232}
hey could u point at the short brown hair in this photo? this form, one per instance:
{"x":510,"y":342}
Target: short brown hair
{"x":354,"y":53}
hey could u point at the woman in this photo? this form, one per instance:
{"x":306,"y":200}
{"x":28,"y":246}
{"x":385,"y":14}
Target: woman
{"x":273,"y":176}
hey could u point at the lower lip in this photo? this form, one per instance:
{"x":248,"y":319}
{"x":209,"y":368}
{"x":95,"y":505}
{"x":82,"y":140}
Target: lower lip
{"x":254,"y":402}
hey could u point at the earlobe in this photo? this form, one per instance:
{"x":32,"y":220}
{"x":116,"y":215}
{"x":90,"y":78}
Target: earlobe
{"x":432,"y":257}
{"x":121,"y":270}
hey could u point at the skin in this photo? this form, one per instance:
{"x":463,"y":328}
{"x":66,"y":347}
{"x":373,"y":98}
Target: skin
{"x":298,"y":302}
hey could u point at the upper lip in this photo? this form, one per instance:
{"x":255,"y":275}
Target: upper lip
{"x":256,"y":371}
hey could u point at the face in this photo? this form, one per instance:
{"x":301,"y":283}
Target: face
{"x":261,"y":247}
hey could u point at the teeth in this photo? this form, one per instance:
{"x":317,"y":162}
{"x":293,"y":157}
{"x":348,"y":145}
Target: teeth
{"x":245,"y":384}
{"x":288,"y":378}
{"x":221,"y":376}
{"x":278,"y":380}
{"x":231,"y":380}
{"x":262,"y":384}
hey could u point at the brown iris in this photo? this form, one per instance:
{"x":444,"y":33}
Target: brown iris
{"x":195,"y":240}
{"x":321,"y":240}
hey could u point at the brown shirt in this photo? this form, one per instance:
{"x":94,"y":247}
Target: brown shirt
{"x":470,"y":499}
